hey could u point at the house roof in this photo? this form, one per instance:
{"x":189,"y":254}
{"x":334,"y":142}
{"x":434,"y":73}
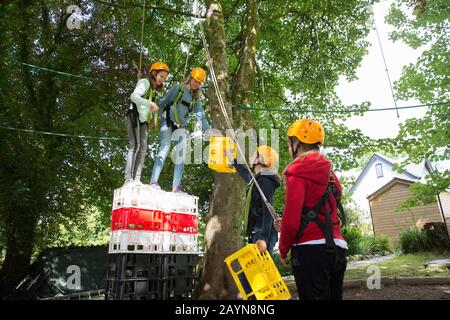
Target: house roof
{"x":382,"y":158}
{"x":388,"y":185}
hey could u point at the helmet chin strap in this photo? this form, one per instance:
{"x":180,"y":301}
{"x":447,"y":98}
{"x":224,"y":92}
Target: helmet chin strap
{"x":294,"y":151}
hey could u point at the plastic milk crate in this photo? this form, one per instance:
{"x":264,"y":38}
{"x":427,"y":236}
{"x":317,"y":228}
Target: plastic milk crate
{"x":217,"y":158}
{"x":144,"y":197}
{"x":256,"y":275}
{"x":153,"y":220}
{"x":138,"y":241}
{"x":132,"y":276}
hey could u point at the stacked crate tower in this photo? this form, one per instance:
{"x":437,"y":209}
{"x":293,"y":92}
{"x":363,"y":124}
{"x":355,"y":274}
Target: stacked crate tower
{"x":153,"y":247}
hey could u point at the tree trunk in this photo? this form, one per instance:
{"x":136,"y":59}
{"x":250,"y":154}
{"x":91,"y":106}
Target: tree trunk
{"x":221,"y":239}
{"x":21,"y":229}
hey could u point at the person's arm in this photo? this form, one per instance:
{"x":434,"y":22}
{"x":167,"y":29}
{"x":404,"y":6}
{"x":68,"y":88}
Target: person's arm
{"x":201,"y":122}
{"x":242,"y":171}
{"x":142,"y":87}
{"x":169,"y":97}
{"x":290,"y":224}
{"x":267,"y":219}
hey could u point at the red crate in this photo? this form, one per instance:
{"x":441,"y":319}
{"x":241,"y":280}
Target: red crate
{"x":184,"y":223}
{"x":137,"y":219}
{"x":153,"y":220}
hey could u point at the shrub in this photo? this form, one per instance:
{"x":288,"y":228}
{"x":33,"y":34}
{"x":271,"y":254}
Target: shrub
{"x":353,"y":236}
{"x":414,"y":240}
{"x":366,"y":245}
{"x":372,"y":245}
{"x":284,"y":271}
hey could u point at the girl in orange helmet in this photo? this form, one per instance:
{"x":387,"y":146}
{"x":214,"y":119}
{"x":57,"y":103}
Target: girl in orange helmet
{"x":139,"y":116}
{"x":174,"y":109}
{"x":258,"y":222}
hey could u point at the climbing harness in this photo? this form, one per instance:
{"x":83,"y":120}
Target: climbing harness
{"x":242,"y":220}
{"x":190,"y":105}
{"x":309,"y":215}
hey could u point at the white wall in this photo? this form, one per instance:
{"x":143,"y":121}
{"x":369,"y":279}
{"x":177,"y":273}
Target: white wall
{"x":369,"y":183}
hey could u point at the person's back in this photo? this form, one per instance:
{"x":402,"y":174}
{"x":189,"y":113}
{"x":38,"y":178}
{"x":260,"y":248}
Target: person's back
{"x":310,"y":225}
{"x":308,"y":177}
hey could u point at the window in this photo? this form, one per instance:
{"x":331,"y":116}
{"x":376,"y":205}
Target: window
{"x":379,"y":169}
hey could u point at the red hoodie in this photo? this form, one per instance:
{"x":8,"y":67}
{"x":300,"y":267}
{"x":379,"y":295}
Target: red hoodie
{"x":307,"y":178}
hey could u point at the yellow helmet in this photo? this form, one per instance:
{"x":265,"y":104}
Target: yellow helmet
{"x":269,"y":155}
{"x":198,"y":74}
{"x":307,"y":131}
{"x":158,"y":65}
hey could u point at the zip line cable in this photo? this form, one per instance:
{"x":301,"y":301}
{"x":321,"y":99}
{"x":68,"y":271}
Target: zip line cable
{"x":249,"y":107}
{"x":244,"y":107}
{"x":62,"y":134}
{"x":69,"y":74}
{"x":386,"y":68}
{"x":228,"y":121}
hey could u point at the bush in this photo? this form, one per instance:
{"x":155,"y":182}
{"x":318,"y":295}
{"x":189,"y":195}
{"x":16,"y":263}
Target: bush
{"x":284,"y":271}
{"x":353,"y":236}
{"x":366,"y":245}
{"x":414,"y":240}
{"x":372,"y":245}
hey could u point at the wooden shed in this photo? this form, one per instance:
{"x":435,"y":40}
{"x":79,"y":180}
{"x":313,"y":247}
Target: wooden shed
{"x":388,"y":222}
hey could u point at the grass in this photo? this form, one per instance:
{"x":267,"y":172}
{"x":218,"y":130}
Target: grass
{"x":405,"y":265}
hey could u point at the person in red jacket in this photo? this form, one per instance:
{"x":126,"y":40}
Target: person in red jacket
{"x":310,"y":226}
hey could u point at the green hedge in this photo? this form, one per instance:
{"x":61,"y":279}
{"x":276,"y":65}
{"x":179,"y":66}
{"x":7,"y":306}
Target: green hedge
{"x":414,"y":240}
{"x":365,"y":245}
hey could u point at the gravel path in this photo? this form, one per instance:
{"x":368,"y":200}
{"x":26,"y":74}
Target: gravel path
{"x":356,"y":264}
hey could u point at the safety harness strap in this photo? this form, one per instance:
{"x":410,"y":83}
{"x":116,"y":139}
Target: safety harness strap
{"x":309,"y":215}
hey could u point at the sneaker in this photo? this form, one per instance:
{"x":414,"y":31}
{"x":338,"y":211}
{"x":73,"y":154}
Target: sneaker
{"x":128,"y":182}
{"x":138,"y":183}
{"x":154,"y":185}
{"x":179,"y":190}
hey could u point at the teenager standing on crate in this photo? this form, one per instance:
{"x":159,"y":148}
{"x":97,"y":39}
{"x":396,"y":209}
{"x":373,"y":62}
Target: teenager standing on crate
{"x":256,"y":217}
{"x":141,"y":115}
{"x":310,"y":226}
{"x":174,"y":109}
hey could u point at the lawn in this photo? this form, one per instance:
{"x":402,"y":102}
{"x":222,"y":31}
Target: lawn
{"x":406,"y":265}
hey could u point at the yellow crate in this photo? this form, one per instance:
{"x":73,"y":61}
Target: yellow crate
{"x":256,"y":275}
{"x":217,"y":159}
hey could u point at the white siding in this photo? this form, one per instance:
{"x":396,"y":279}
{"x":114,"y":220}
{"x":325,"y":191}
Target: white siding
{"x":370,"y":183}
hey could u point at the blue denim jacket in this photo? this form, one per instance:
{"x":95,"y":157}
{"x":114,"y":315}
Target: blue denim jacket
{"x":183,"y":111}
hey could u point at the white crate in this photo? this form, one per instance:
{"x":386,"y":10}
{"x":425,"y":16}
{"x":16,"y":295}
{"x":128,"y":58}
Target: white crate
{"x":182,"y":203}
{"x":138,"y":241}
{"x":140,"y":197}
{"x":178,"y":242}
{"x":149,"y":198}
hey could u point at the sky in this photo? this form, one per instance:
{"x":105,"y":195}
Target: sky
{"x":372,"y":84}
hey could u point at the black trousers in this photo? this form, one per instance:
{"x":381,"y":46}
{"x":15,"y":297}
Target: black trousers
{"x":319,"y":274}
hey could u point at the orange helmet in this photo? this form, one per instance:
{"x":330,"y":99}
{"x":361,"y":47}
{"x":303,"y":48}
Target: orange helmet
{"x":198,"y":74}
{"x":307,"y":131}
{"x":158,"y":65}
{"x":269,"y":155}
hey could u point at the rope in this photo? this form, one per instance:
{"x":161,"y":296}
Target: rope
{"x":227,"y":118}
{"x":67,"y":74}
{"x":188,"y":48}
{"x":142,"y":41}
{"x":248,"y":107}
{"x":62,"y":134}
{"x":386,"y":68}
{"x":320,"y":56}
